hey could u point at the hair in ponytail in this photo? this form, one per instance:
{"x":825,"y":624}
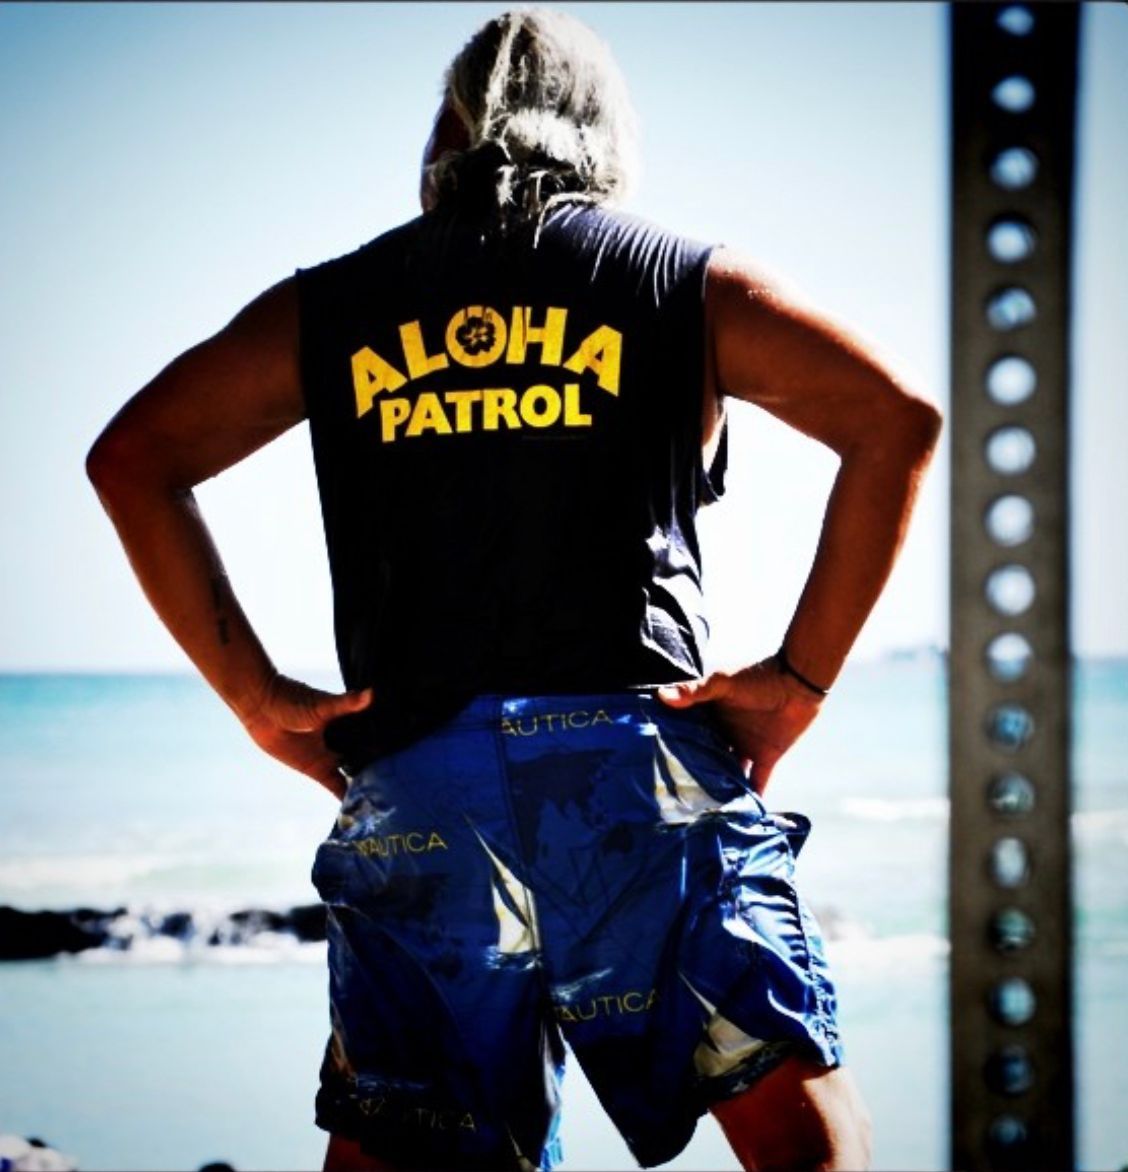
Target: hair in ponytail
{"x":548,"y":116}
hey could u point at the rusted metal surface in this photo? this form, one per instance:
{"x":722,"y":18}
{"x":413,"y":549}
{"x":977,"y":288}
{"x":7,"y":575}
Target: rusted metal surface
{"x":1013,"y":85}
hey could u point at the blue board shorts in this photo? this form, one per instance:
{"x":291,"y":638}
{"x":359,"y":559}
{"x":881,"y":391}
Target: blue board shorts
{"x":592,"y":869}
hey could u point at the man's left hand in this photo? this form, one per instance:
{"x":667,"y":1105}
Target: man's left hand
{"x":763,"y":711}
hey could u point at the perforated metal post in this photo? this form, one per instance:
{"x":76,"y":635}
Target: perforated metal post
{"x":1010,"y":907}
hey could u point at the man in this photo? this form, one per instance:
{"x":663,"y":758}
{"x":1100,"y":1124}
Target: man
{"x":552,"y":825}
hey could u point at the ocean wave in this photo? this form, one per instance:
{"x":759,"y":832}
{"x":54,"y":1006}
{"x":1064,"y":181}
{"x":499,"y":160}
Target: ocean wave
{"x":895,"y":809}
{"x":213,"y":880}
{"x":1087,"y":825}
{"x":24,"y":873}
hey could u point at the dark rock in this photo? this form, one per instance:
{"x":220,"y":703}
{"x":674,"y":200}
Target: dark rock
{"x":255,"y":920}
{"x":35,"y":935}
{"x":177,"y":924}
{"x":308,"y":922}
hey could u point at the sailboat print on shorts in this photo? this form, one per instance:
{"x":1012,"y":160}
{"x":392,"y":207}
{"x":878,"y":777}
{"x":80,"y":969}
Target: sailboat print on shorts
{"x":678,"y":793}
{"x":725,"y":1047}
{"x":518,"y":936}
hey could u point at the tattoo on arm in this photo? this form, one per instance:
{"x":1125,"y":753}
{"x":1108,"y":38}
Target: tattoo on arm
{"x":220,"y":592}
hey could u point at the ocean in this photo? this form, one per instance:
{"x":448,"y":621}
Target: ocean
{"x":164,"y":1051}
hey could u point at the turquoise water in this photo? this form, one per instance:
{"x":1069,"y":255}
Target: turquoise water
{"x":143,"y":791}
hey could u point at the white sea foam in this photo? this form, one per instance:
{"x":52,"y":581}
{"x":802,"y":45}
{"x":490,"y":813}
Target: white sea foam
{"x":895,"y":809}
{"x":912,"y":952}
{"x":1091,"y":825}
{"x":267,"y":949}
{"x":836,"y":925}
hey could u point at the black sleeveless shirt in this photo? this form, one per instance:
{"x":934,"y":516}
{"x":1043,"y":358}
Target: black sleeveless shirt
{"x":507,"y":437}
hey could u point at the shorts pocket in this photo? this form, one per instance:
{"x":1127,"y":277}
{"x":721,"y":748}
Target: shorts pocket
{"x":795,"y":827}
{"x":712,"y":766}
{"x":333,"y":872}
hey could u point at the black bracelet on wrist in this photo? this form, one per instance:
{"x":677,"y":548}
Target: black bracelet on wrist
{"x":784,"y":665}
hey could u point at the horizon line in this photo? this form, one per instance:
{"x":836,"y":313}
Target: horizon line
{"x":914,"y":652}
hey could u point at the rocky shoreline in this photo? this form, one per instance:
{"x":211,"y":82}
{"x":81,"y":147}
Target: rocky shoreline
{"x":39,"y":935}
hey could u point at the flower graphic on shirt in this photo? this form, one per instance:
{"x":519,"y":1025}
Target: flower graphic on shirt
{"x":476,"y":334}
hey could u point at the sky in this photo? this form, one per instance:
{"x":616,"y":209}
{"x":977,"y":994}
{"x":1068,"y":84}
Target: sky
{"x":164,"y":163}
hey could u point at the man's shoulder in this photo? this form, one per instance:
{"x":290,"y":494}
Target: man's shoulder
{"x":591,"y":234}
{"x":613,"y":229}
{"x":647,"y":256}
{"x":397,"y":237}
{"x":587,"y":218}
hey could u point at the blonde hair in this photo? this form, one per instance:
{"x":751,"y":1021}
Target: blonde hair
{"x":548,"y":116}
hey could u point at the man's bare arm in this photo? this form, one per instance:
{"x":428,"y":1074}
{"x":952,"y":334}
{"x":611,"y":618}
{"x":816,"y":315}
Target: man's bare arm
{"x":211,"y":407}
{"x":770,"y":349}
{"x":811,"y":373}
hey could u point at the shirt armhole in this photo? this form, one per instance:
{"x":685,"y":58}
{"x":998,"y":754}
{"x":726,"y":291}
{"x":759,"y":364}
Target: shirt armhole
{"x":710,"y":479}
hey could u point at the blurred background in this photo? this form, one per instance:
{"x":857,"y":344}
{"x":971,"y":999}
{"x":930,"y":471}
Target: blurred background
{"x":164,"y":164}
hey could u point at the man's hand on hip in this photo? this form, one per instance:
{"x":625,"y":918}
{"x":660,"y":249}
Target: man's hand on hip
{"x":288,"y":723}
{"x":763,"y":712}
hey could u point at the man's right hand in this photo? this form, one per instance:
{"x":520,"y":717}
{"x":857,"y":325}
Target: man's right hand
{"x":288,"y":722}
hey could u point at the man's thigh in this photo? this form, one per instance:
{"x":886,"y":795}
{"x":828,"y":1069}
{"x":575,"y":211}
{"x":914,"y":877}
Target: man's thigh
{"x":801,"y":1115}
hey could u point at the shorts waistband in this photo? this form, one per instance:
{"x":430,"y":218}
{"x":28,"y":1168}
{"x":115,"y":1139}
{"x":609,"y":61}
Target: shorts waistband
{"x":359,"y":738}
{"x":636,"y":705}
